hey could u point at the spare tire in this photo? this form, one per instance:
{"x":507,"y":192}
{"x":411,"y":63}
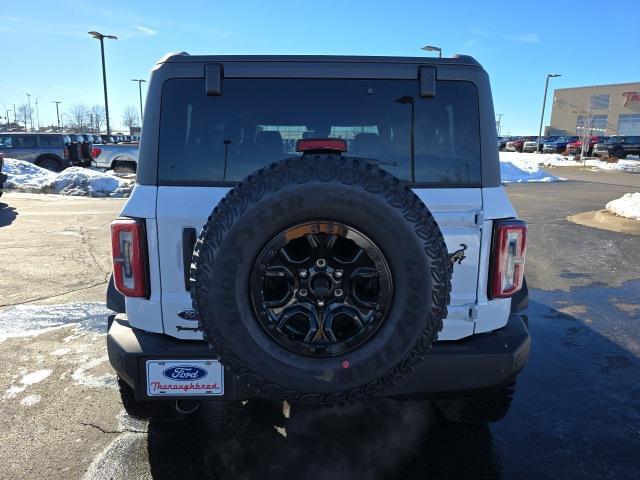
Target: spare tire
{"x":320,"y":279}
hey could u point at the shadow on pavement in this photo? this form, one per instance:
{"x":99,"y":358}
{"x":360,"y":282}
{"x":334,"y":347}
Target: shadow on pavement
{"x":576,"y":414}
{"x":7,"y":214}
{"x":378,"y":439}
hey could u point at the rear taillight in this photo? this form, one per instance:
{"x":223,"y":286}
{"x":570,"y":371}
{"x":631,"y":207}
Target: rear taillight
{"x":507,"y":263}
{"x":66,"y":151}
{"x":128,"y":246}
{"x":95,"y":152}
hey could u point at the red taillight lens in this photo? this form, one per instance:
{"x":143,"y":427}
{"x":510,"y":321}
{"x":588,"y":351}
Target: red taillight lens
{"x":66,"y":151}
{"x":333,"y":144}
{"x":508,"y":253}
{"x":95,"y":152}
{"x":128,"y":246}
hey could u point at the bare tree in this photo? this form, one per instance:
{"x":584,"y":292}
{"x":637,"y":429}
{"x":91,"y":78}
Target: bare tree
{"x":130,"y":117}
{"x":97,"y":117}
{"x":79,"y":114}
{"x":23,"y":115}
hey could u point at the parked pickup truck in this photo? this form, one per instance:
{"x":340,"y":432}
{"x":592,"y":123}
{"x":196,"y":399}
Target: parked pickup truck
{"x":574,"y":148}
{"x":559,"y":145}
{"x":120,"y":158}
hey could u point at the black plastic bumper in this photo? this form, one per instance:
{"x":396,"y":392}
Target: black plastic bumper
{"x":473,"y":365}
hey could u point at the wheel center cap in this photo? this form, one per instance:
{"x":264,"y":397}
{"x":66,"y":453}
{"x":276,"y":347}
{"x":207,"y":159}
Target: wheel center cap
{"x":321,"y":285}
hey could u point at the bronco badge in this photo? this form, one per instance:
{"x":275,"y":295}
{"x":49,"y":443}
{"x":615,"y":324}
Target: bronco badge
{"x":458,"y":255}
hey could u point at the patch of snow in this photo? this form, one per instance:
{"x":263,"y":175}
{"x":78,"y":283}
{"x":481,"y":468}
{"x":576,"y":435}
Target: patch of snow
{"x":28,"y":320}
{"x":60,"y":352}
{"x":625,"y":165}
{"x":76,"y":181}
{"x":26,"y":380}
{"x":523,"y":168}
{"x":35,"y":377}
{"x":627,"y":206}
{"x":630,"y":164}
{"x":30,"y":400}
{"x":80,"y":375}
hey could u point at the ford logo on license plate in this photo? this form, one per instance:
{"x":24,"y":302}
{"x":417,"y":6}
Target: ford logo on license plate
{"x":185,"y":373}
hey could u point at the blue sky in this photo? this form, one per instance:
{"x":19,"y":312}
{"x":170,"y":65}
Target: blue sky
{"x":47,"y":52}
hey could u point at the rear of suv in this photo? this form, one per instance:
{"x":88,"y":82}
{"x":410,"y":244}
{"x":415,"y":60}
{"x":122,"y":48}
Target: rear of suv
{"x":319,"y":230}
{"x":53,"y":151}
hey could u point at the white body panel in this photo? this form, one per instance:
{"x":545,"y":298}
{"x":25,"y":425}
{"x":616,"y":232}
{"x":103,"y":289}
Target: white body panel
{"x":465,"y":217}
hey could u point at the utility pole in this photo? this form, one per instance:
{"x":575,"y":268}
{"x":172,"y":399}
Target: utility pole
{"x":57,"y":102}
{"x":499,"y":122}
{"x":140,"y":82}
{"x":30,"y":114}
{"x":101,"y":37}
{"x":38,"y":114}
{"x":544,"y":101}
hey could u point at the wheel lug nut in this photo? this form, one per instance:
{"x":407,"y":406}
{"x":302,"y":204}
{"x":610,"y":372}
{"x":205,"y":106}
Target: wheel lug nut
{"x":338,"y":292}
{"x":321,"y":263}
{"x":338,"y":273}
{"x":303,"y":292}
{"x":303,"y":273}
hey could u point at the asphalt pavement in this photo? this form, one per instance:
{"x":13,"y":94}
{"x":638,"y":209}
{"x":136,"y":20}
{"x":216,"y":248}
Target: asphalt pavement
{"x":576,"y":413}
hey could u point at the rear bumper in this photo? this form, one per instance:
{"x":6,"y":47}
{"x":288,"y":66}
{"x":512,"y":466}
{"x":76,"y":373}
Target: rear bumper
{"x":474,"y":365}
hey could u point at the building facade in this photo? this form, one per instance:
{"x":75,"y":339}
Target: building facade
{"x":599,"y":109}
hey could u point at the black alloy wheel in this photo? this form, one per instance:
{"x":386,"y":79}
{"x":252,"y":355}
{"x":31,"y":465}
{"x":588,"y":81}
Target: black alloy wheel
{"x":321,"y":288}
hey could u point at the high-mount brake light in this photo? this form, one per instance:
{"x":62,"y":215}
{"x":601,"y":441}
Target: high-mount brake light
{"x":321,"y":144}
{"x":508,"y":255}
{"x":129,"y":250}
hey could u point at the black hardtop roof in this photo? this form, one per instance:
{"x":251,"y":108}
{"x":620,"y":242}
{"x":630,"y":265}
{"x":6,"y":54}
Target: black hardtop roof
{"x":183,"y":57}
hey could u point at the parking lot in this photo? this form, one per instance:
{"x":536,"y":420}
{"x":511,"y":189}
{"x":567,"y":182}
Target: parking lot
{"x":576,"y":413}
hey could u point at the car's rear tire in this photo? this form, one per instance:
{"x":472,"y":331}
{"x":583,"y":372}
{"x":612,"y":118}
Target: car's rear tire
{"x":480,"y":409}
{"x":50,"y":163}
{"x":619,"y":152}
{"x":121,"y":166}
{"x":360,"y":220}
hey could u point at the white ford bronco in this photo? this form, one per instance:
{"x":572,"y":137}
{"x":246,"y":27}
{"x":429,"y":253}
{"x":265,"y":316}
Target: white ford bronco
{"x":320,"y":230}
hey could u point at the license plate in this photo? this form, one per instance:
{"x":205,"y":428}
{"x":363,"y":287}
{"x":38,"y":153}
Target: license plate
{"x":184,"y":378}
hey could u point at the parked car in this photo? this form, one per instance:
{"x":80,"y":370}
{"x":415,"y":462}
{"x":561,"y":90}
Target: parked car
{"x":559,"y":145}
{"x":119,"y":158}
{"x":502,"y":143}
{"x":618,"y":146}
{"x":574,"y":148}
{"x":3,"y":176}
{"x":53,"y":151}
{"x":530,"y":145}
{"x":107,"y":139}
{"x":317,"y":275}
{"x":515,"y":144}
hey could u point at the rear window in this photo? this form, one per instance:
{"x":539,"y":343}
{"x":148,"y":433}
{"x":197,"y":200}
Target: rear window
{"x":206,"y":139}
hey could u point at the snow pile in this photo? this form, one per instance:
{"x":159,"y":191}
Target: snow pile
{"x":78,"y":181}
{"x":626,"y":206}
{"x":626,"y":165}
{"x":523,"y":168}
{"x":27,"y":177}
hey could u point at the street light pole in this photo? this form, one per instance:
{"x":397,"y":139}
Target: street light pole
{"x":38,"y":114}
{"x":499,"y":122}
{"x":101,"y":37}
{"x":57,"y":102}
{"x":140,"y":82}
{"x":431,"y":48}
{"x":544,"y":102}
{"x":30,"y":114}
